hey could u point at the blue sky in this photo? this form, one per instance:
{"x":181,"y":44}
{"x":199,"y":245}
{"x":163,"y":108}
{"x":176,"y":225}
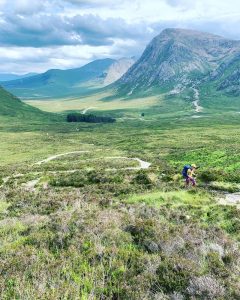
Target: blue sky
{"x":38,"y":35}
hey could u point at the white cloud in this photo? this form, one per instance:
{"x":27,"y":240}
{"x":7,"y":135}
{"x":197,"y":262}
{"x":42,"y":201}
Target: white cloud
{"x":37,"y":35}
{"x":28,"y":7}
{"x":21,"y":60}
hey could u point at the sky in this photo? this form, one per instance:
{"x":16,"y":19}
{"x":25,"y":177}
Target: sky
{"x":39,"y":35}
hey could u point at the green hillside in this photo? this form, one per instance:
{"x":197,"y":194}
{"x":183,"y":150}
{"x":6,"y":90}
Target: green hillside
{"x":11,"y":108}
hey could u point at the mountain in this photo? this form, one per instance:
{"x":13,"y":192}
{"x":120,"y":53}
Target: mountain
{"x":227,"y":76}
{"x":11,"y":108}
{"x":180,"y":58}
{"x":117,"y":69}
{"x":62,"y":83}
{"x":11,"y":76}
{"x":57,"y":83}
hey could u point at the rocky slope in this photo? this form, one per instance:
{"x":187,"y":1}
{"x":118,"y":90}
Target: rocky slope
{"x":227,"y":76}
{"x":117,"y":69}
{"x":179,"y":56}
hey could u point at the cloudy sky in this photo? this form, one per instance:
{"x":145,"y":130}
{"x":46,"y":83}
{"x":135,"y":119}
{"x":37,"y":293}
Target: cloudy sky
{"x":38,"y":35}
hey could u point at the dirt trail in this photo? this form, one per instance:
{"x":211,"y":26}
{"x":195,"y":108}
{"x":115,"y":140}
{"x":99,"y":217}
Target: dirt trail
{"x":58,"y":155}
{"x":142,"y":164}
{"x":87,"y":109}
{"x":231,"y":199}
{"x":31,"y":184}
{"x":132,"y":118}
{"x":196,"y":101}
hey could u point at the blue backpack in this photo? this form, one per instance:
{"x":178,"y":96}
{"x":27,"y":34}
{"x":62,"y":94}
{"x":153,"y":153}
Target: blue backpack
{"x":185,"y":170}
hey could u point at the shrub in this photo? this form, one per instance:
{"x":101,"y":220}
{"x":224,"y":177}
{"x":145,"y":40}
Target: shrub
{"x":174,"y":274}
{"x":206,"y":287}
{"x":142,"y":178}
{"x":216,"y":265}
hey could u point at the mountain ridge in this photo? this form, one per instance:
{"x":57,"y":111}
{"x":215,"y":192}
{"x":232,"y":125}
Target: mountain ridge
{"x":12,"y":76}
{"x":177,"y":56}
{"x":76,"y":81}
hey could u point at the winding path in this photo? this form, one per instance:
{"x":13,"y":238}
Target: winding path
{"x":142,"y":164}
{"x":58,"y":155}
{"x":31,"y":184}
{"x":196,"y":97}
{"x":87,"y":109}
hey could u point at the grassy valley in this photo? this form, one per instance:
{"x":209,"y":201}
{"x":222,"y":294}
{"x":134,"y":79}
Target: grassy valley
{"x":94,"y":223}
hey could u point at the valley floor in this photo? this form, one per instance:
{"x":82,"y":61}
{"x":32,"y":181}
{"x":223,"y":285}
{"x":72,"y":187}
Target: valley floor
{"x":99,"y":211}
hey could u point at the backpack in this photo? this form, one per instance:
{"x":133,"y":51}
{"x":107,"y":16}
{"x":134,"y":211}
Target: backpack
{"x":185,"y":170}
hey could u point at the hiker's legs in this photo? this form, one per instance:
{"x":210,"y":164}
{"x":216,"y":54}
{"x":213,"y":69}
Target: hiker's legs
{"x":193,"y":181}
{"x":187,"y":181}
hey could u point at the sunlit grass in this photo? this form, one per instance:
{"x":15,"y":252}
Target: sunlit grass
{"x":172,"y":198}
{"x":94,"y":101}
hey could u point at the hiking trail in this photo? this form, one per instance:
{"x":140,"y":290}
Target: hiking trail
{"x":196,"y":97}
{"x":57,"y":156}
{"x":30,"y":185}
{"x":230,"y":199}
{"x":87,"y":109}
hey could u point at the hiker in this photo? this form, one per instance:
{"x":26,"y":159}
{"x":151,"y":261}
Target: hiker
{"x":188,"y":174}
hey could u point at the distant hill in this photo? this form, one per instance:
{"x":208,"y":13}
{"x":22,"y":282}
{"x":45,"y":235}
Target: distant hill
{"x":180,"y":58}
{"x":11,"y":108}
{"x":72,"y":82}
{"x":11,"y":76}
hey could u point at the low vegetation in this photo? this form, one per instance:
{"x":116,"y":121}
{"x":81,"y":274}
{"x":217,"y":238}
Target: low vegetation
{"x":92,"y":235}
{"x":91,"y":225}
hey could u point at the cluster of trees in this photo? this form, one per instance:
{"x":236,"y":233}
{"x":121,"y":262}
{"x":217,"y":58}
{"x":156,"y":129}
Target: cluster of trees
{"x":77,"y":117}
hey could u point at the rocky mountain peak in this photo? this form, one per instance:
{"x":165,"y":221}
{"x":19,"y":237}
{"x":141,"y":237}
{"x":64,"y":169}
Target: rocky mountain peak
{"x":176,"y":56}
